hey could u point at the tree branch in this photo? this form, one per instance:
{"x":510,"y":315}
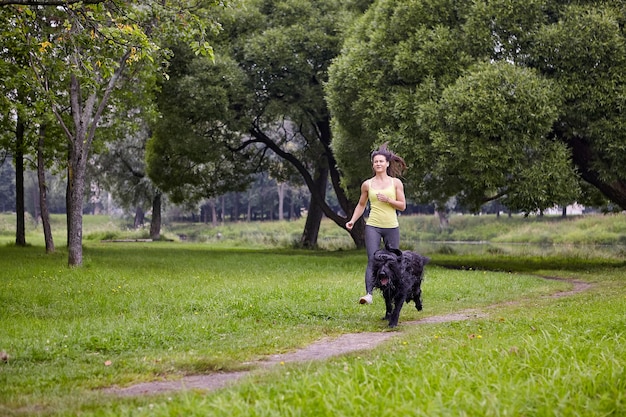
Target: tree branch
{"x":260,"y":137}
{"x":494,"y":197}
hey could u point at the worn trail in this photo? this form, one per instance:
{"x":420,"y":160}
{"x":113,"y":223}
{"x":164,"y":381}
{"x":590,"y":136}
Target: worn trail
{"x":320,"y":350}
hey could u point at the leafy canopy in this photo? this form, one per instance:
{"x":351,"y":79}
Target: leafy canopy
{"x":506,"y":99}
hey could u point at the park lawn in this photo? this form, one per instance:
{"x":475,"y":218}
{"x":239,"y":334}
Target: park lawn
{"x":539,"y":357}
{"x":146,"y":311}
{"x":542,"y":358}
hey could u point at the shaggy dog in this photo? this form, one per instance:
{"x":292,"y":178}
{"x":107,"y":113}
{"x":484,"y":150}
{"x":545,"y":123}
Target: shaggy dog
{"x":399,"y":275}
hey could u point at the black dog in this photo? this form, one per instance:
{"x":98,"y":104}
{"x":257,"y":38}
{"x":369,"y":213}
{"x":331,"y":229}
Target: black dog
{"x":399,"y":276}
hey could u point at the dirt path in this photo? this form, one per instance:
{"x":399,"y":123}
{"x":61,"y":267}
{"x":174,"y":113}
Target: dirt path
{"x":320,"y":350}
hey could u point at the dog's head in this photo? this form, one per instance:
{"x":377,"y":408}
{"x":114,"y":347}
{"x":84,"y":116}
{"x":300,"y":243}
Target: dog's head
{"x":386,"y":267}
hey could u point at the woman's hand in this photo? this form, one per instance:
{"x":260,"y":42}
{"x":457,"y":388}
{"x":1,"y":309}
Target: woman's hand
{"x":383,"y":198}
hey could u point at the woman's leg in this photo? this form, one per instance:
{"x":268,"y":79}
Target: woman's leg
{"x":373,"y":236}
{"x":391,"y":237}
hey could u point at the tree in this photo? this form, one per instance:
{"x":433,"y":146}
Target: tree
{"x":280,"y":51}
{"x":81,"y":56}
{"x":510,"y":100}
{"x":188,"y":156}
{"x":43,"y":190}
{"x":121,"y":169}
{"x":286,"y":58}
{"x":14,"y":101}
{"x":25,"y":123}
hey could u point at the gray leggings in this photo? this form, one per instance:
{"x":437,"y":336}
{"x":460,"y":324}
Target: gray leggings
{"x":373,"y":236}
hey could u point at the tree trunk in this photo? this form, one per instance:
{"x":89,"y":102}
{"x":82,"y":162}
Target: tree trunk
{"x":235,"y":207}
{"x":249,"y":210}
{"x":155,"y":222}
{"x":139,"y":217}
{"x":86,"y":112}
{"x":315,"y":213}
{"x":213,"y":212}
{"x":43,"y":193}
{"x":76,"y":186}
{"x":223,"y":209}
{"x":80,"y":144}
{"x":312,"y":225}
{"x":20,"y":230}
{"x":281,"y":199}
{"x":36,"y":209}
{"x":68,"y":206}
{"x":292,"y":204}
{"x":444,"y":221}
{"x":327,"y":158}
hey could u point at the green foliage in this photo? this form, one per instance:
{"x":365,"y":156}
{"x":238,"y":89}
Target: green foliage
{"x":80,"y":55}
{"x":494,"y":122}
{"x":262,"y":98}
{"x":590,"y":61}
{"x":23,"y":106}
{"x":448,"y":84}
{"x":188,"y":156}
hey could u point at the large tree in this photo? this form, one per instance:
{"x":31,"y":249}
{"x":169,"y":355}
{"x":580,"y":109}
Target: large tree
{"x":15,"y":100}
{"x":280,"y":51}
{"x":82,"y":54}
{"x":500,"y":99}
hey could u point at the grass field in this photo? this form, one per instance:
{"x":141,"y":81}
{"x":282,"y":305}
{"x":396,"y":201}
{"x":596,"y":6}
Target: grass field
{"x":162,"y":310}
{"x":516,"y":234}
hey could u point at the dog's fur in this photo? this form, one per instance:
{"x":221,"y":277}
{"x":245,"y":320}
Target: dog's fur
{"x":398,"y":274}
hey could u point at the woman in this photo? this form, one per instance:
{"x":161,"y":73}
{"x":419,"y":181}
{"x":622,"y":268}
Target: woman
{"x":385,"y":193}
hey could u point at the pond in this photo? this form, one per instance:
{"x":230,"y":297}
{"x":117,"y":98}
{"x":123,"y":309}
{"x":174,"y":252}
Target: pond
{"x":521,"y":249}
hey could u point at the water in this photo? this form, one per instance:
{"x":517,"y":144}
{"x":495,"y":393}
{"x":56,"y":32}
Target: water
{"x":527,"y":249}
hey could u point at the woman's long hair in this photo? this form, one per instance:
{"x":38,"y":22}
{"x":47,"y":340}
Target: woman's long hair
{"x":397,"y":166}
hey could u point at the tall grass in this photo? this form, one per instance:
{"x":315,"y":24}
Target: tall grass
{"x":484,"y":233}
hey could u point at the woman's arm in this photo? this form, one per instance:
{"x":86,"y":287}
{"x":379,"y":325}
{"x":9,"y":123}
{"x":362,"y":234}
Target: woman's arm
{"x":360,"y":207}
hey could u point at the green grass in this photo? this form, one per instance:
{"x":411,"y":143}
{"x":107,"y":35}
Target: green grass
{"x":148,"y":311}
{"x":525,"y":360}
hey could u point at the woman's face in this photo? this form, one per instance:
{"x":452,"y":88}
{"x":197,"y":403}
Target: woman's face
{"x":379,"y":163}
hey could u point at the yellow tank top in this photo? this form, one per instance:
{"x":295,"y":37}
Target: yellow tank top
{"x":382,"y":214}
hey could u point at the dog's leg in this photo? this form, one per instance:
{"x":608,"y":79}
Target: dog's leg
{"x":417,"y":296}
{"x":388,"y":305}
{"x":395,"y":314}
{"x":418,"y":300}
